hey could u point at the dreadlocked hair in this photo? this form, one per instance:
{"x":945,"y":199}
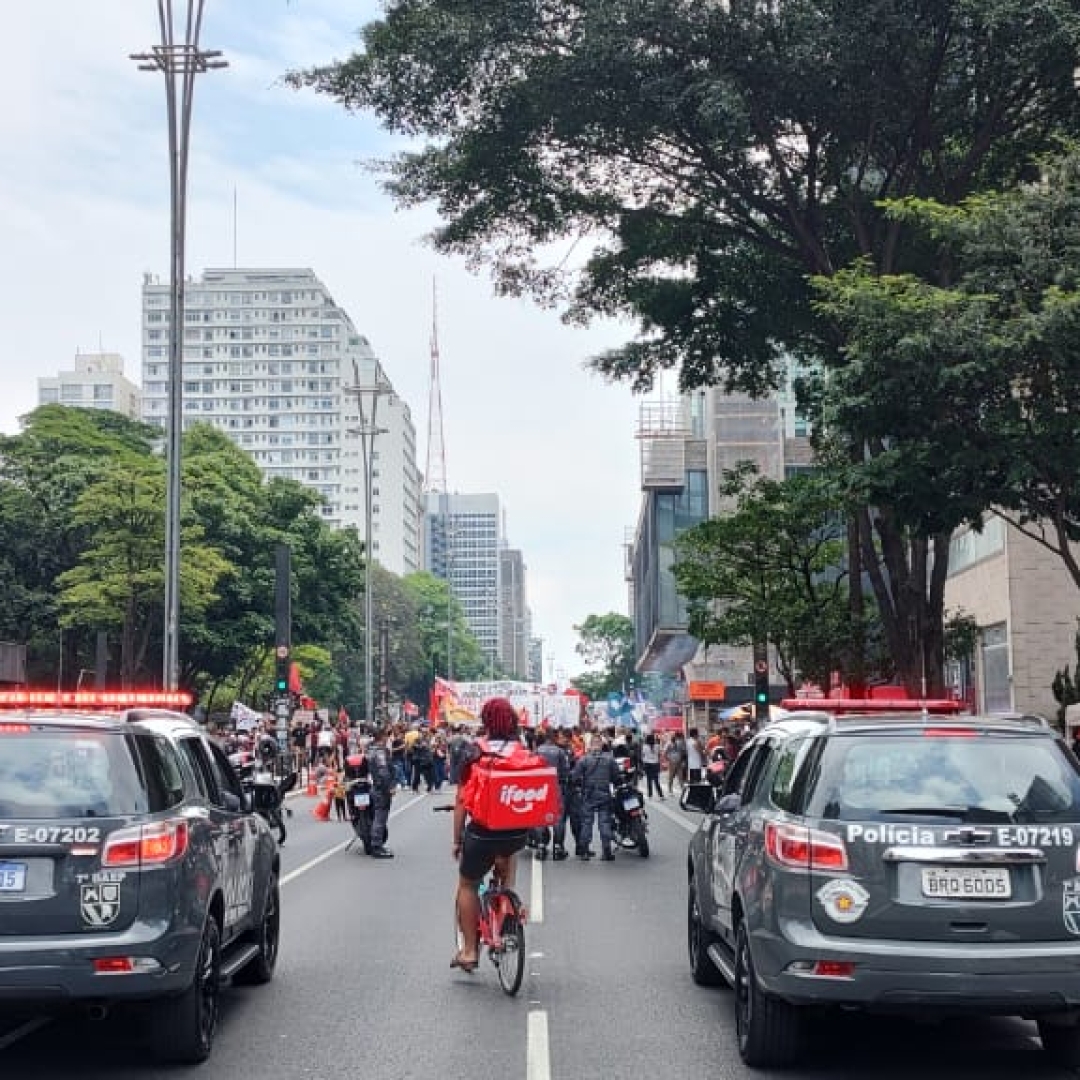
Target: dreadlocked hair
{"x":499,"y":719}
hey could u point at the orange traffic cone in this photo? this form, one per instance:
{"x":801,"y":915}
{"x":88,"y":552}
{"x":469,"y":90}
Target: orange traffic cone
{"x":312,"y":783}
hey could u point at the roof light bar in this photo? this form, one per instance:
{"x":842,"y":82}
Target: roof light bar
{"x":94,"y":699}
{"x":871,"y":706}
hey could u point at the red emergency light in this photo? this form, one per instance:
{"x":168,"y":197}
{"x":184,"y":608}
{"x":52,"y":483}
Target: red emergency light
{"x":872,"y":706}
{"x":107,"y":700}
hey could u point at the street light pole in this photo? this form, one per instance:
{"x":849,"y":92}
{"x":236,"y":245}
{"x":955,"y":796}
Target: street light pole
{"x":179,"y":60}
{"x":367,"y":431}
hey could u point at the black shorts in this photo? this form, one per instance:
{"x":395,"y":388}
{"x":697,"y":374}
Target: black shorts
{"x":481,"y":847}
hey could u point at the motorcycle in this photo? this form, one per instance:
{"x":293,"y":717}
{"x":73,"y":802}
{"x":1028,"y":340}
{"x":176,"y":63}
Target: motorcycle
{"x":358,"y":799}
{"x":267,"y":793}
{"x":628,"y":815}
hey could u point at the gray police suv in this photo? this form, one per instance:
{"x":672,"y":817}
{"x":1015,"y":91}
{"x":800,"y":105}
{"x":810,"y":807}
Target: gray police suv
{"x":903,"y":863}
{"x":132,"y":870}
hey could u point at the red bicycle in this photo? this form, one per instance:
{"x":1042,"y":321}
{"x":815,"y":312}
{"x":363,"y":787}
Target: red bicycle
{"x":502,"y":932}
{"x":501,"y":928}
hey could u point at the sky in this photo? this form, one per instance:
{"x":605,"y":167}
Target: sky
{"x":278,"y":178}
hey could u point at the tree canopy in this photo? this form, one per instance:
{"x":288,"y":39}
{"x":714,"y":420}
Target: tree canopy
{"x":692,"y":166}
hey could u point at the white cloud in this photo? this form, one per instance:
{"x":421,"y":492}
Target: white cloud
{"x":84,"y":213}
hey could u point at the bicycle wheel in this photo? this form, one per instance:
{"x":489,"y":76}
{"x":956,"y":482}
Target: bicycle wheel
{"x":510,"y":959}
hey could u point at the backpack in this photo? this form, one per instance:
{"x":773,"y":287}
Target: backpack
{"x":511,"y":789}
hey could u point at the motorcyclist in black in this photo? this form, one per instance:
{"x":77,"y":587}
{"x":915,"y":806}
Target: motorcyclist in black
{"x":381,"y":769}
{"x":556,"y":756}
{"x":594,"y":776}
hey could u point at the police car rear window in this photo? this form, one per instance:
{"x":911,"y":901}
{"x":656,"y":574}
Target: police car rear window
{"x":51,"y":774}
{"x":984,"y":779}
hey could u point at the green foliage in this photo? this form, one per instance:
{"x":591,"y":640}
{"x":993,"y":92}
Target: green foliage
{"x":713,"y":157}
{"x":773,"y":569}
{"x":82,"y":497}
{"x":1066,"y":686}
{"x":606,"y":642}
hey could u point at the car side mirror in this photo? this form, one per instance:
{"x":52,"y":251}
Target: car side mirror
{"x":697,"y":798}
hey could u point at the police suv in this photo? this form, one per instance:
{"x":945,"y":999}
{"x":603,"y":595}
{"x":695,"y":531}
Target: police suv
{"x":905,"y":863}
{"x":132,"y":868}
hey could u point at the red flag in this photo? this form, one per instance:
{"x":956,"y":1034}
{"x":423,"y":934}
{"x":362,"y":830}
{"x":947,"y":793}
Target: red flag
{"x":296,"y":686}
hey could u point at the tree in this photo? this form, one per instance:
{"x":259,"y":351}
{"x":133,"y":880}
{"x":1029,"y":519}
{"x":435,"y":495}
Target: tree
{"x":435,"y":604}
{"x":710,"y":158}
{"x":44,"y":471}
{"x":118,"y":581}
{"x":772,"y":570}
{"x":607,"y":642}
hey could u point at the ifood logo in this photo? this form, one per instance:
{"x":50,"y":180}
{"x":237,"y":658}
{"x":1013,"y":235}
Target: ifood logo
{"x":521,"y":799}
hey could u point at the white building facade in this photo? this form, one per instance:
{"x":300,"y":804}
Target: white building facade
{"x":94,"y":381}
{"x":270,"y":360}
{"x":464,"y":544}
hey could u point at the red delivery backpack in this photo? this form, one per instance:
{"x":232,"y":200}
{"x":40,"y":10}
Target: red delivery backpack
{"x":511,"y":789}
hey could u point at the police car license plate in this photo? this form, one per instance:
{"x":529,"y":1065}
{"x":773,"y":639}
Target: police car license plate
{"x":631,"y":802}
{"x":361,"y":798}
{"x":966,"y":883}
{"x":12,"y":876}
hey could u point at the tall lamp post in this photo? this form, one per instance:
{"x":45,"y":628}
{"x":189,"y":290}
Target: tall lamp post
{"x":179,"y":59}
{"x":367,"y":403}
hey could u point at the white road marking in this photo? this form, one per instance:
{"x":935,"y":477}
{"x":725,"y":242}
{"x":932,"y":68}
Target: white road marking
{"x":292,"y":875}
{"x":13,"y":1036}
{"x":537,"y":1055}
{"x":536,"y":903}
{"x":690,"y":824}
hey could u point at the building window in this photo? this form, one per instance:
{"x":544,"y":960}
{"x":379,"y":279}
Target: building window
{"x":997,"y":691}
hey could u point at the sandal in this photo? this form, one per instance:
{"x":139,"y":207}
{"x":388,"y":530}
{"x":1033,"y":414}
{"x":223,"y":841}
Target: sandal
{"x":466,"y":965}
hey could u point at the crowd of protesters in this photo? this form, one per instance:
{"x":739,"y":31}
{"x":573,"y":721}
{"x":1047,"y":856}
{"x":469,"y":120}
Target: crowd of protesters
{"x":422,"y":759}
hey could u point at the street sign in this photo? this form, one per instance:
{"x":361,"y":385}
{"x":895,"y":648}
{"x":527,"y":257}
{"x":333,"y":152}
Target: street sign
{"x":282,"y":652}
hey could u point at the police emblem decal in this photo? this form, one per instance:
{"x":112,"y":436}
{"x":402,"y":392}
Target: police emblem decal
{"x":100,"y":903}
{"x":1070,"y":905}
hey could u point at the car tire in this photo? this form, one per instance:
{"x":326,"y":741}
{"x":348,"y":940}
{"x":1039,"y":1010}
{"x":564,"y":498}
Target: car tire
{"x":698,"y":939}
{"x":267,"y":935}
{"x":769,"y":1031}
{"x":1061,"y":1042}
{"x":183,"y":1028}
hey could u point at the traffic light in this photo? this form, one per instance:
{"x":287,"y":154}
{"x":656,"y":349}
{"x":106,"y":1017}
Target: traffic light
{"x":761,"y":683}
{"x":281,"y":676}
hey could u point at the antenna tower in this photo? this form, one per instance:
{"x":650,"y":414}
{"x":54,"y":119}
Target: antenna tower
{"x":435,"y":470}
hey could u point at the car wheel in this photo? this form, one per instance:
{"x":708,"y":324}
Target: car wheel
{"x":260,"y":968}
{"x":1061,"y":1042}
{"x":769,"y":1030}
{"x":698,"y":940}
{"x":183,"y":1028}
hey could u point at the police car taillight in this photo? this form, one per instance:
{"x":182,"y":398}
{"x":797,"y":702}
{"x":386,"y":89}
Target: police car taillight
{"x":125,"y":965}
{"x":146,"y":845}
{"x":14,"y":729}
{"x":797,"y":847}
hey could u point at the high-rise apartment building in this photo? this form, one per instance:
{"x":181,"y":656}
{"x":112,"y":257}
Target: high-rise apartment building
{"x":515,"y":620}
{"x":274,"y":363}
{"x":464,"y":540}
{"x":94,"y":381}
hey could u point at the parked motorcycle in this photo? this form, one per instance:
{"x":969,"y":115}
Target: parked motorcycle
{"x":268,"y":797}
{"x":628,"y":815}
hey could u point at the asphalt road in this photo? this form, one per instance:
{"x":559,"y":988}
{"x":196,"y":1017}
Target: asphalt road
{"x":364,"y":988}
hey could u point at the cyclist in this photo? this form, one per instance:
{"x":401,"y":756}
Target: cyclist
{"x":478,"y":849}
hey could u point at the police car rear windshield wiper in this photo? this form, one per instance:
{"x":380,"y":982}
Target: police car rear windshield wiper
{"x":929,"y":811}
